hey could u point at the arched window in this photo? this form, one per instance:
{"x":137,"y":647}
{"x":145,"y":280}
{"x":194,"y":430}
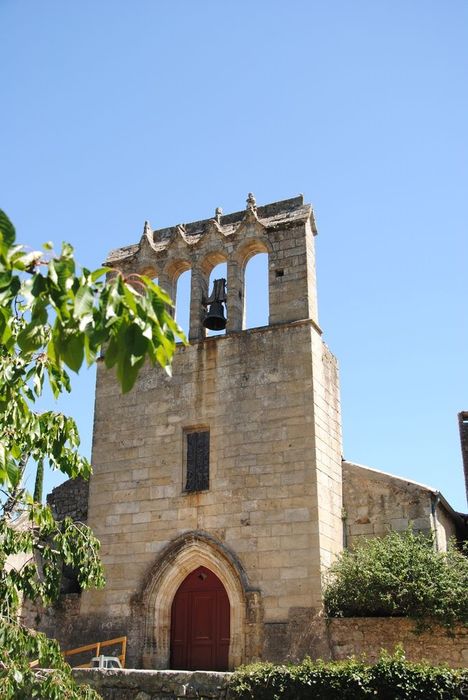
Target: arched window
{"x":219,"y":271}
{"x":256,"y":302}
{"x":182,"y":300}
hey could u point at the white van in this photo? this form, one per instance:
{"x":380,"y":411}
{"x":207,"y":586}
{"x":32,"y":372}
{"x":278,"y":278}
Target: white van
{"x":105,"y":662}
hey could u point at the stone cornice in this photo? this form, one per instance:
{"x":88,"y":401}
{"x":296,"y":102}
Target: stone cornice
{"x":280,"y":215}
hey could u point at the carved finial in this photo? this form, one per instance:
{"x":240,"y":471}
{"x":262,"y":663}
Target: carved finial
{"x":147,"y":230}
{"x":218,"y":214}
{"x":251,"y":202}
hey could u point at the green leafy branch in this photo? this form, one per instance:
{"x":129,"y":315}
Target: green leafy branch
{"x":55,"y":318}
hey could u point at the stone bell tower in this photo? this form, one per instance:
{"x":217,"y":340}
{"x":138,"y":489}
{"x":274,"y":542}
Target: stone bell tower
{"x":216,"y":493}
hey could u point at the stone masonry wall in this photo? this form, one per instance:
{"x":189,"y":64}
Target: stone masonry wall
{"x":328,"y":449}
{"x":339,"y":638}
{"x":155,"y":685}
{"x":60,"y":621}
{"x":375,"y":503}
{"x":254,"y":390}
{"x":355,"y":636}
{"x":70,"y":499}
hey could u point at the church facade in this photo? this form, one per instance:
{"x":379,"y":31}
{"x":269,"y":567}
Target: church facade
{"x":219,"y":495}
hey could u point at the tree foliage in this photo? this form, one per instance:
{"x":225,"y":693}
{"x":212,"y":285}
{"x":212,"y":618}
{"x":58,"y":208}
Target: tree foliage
{"x":53,"y":318}
{"x":400,"y":575}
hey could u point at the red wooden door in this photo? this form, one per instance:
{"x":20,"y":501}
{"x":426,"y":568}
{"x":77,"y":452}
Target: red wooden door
{"x":200,"y":623}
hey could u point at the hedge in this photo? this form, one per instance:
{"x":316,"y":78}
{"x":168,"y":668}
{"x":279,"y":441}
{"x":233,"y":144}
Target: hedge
{"x":400,"y":575}
{"x":391,"y":678}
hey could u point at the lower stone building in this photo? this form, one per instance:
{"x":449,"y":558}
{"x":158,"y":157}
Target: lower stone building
{"x":374,"y":503}
{"x":219,"y":495}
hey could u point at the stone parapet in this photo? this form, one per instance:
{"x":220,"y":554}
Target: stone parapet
{"x":127,"y":684}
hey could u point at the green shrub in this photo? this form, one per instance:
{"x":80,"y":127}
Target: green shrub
{"x":391,"y":678}
{"x":400,"y":575}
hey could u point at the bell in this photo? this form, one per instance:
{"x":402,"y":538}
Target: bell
{"x":215,"y":319}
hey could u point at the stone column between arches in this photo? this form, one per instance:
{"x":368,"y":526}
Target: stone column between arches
{"x":198,"y":289}
{"x":178,"y":560}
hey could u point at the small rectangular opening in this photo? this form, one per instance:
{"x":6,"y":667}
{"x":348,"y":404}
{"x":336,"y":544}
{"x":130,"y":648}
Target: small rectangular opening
{"x":197,"y":459}
{"x":279,"y":273}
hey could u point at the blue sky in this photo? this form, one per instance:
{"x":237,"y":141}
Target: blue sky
{"x":115,"y":112}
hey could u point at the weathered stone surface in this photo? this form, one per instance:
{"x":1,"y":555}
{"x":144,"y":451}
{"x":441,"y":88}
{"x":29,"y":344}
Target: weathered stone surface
{"x":155,"y":685}
{"x":311,"y":635}
{"x":70,"y":499}
{"x":368,"y":635}
{"x":375,"y":503}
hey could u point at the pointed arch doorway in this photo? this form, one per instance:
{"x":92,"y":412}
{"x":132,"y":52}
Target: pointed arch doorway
{"x":200,"y":623}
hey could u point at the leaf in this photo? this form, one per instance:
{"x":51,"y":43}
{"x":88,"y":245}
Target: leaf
{"x":7,"y":230}
{"x":39,"y":312}
{"x":39,"y":286}
{"x":38,"y":379}
{"x":135,"y":343}
{"x":64,"y":268}
{"x":99,"y":273}
{"x":84,"y":300}
{"x":52,"y":272}
{"x":73,"y":351}
{"x":127,"y":373}
{"x":31,"y":338}
{"x":13,"y":472}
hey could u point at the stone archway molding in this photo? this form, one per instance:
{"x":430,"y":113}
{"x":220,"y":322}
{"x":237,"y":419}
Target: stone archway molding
{"x":174,"y":564}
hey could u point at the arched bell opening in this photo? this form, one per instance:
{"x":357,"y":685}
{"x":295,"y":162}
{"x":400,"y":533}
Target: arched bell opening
{"x":200,"y":623}
{"x":215,"y":300}
{"x":256,"y":297}
{"x":175,"y":279}
{"x":253,"y":261}
{"x":182,"y":301}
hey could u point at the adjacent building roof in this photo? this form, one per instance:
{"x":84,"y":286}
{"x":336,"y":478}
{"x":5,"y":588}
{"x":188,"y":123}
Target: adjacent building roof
{"x":463,"y":424}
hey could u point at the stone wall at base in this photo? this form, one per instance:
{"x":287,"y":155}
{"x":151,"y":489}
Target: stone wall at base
{"x":368,"y":635}
{"x":336,"y":639}
{"x":155,"y":685}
